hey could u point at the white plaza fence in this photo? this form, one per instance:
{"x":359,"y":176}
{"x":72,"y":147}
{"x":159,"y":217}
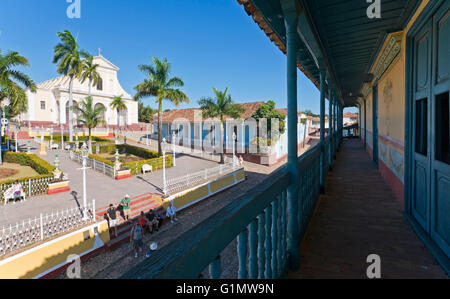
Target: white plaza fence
{"x":43,"y":227}
{"x":182,"y":182}
{"x":99,"y":166}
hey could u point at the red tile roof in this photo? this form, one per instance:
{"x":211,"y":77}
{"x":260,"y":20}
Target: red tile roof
{"x":191,"y":114}
{"x":350,"y":115}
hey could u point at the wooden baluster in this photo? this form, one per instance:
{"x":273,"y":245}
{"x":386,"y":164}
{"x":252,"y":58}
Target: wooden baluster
{"x":268,"y":272}
{"x":280,"y":234}
{"x":253,"y":258}
{"x":215,"y":269}
{"x":261,"y":239}
{"x":274,"y":239}
{"x":283,"y":230}
{"x":242,"y":254}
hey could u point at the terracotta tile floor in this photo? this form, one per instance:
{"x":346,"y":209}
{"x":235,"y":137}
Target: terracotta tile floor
{"x":359,"y":216}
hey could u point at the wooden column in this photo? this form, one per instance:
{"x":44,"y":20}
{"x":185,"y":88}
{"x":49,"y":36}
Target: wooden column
{"x":291,"y":22}
{"x":322,"y":131}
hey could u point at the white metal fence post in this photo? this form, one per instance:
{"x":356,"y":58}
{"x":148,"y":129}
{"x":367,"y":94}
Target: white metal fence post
{"x":42,"y":228}
{"x":93,"y":210}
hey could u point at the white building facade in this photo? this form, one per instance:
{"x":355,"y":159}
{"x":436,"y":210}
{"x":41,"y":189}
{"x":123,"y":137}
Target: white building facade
{"x":50,"y":104}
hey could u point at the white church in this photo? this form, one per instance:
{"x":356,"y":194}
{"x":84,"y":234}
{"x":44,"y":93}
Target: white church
{"x":50,"y":104}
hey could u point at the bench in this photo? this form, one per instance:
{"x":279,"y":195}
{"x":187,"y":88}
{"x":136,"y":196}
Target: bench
{"x":146,"y":168}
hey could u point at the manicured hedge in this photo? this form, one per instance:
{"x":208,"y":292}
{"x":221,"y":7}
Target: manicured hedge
{"x":150,"y":157}
{"x":57,"y":138}
{"x":138,"y":151}
{"x":42,"y":167}
{"x":156,"y":163}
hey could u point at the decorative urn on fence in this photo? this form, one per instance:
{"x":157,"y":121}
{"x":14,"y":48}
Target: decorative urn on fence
{"x":60,"y":183}
{"x":120,"y":173}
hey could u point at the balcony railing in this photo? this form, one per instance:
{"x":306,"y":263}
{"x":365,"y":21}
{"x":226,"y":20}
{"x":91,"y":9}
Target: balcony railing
{"x":257,"y":219}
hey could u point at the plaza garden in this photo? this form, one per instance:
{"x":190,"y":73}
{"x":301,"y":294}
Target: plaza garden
{"x":121,"y":161}
{"x":33,"y":174}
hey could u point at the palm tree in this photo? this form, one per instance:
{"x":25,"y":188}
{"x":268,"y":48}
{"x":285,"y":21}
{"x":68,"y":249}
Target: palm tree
{"x":69,"y":58}
{"x":220,"y":106}
{"x":118,"y":104}
{"x":89,"y":72}
{"x":159,"y":84}
{"x":89,"y":116}
{"x":12,"y":80}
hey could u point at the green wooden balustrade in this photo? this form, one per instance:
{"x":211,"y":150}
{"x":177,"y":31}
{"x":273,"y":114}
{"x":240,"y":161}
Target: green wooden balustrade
{"x":258,"y":219}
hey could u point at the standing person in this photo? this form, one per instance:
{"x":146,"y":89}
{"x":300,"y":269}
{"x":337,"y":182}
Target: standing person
{"x":171,"y":212}
{"x":112,"y":218}
{"x":136,"y":237}
{"x":126,"y":204}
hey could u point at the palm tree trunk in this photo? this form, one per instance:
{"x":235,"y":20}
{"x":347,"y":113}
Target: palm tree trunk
{"x":90,"y":83}
{"x":70,"y":109}
{"x":90,"y":141}
{"x":160,"y":128}
{"x":222,"y":140}
{"x":118,"y":125}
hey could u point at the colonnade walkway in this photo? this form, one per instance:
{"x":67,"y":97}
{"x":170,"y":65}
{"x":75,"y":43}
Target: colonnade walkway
{"x":359,"y":216}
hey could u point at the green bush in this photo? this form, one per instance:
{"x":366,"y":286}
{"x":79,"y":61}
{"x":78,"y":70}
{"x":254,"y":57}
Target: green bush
{"x":150,"y":157}
{"x":138,"y":151}
{"x":43,"y":168}
{"x":40,"y":166}
{"x":57,"y":139}
{"x":156,"y":163}
{"x":107,"y":148}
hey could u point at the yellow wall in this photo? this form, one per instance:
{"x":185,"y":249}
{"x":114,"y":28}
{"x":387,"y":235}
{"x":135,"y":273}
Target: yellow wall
{"x":186,"y":198}
{"x":391,"y":105}
{"x":54,"y":253}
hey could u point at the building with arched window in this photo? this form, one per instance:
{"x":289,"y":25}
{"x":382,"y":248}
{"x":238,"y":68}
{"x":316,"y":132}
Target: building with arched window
{"x":50,"y":104}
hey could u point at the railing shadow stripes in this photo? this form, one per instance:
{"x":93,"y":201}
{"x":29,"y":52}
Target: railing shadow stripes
{"x":257,"y":219}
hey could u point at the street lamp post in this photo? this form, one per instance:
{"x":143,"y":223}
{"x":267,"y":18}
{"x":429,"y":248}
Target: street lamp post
{"x":173,"y":148}
{"x":234,"y":143}
{"x":62,"y":137}
{"x":77,"y":143}
{"x":7,"y":135}
{"x":84,"y":154}
{"x":146,"y":135}
{"x":16,"y":137}
{"x":1,"y":137}
{"x":163,"y":147}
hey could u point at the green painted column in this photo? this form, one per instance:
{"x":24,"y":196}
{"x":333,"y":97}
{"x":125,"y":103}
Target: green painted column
{"x":293,"y":242}
{"x":335,"y":125}
{"x":330,"y":127}
{"x":365,"y":125}
{"x":322,"y":132}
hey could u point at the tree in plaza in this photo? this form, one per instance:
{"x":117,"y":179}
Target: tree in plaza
{"x":118,"y":104}
{"x":267,"y":111}
{"x":13,"y":82}
{"x":89,"y":72}
{"x":160,"y":85}
{"x":69,"y":58}
{"x":220,"y":106}
{"x":89,"y":116}
{"x":145,"y":112}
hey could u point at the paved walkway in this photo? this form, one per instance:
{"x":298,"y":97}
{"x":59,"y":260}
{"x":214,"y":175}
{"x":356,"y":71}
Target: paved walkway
{"x":100,"y":187}
{"x":359,"y":216}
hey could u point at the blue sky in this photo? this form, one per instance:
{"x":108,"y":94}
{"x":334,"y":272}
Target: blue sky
{"x":209,"y":44}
